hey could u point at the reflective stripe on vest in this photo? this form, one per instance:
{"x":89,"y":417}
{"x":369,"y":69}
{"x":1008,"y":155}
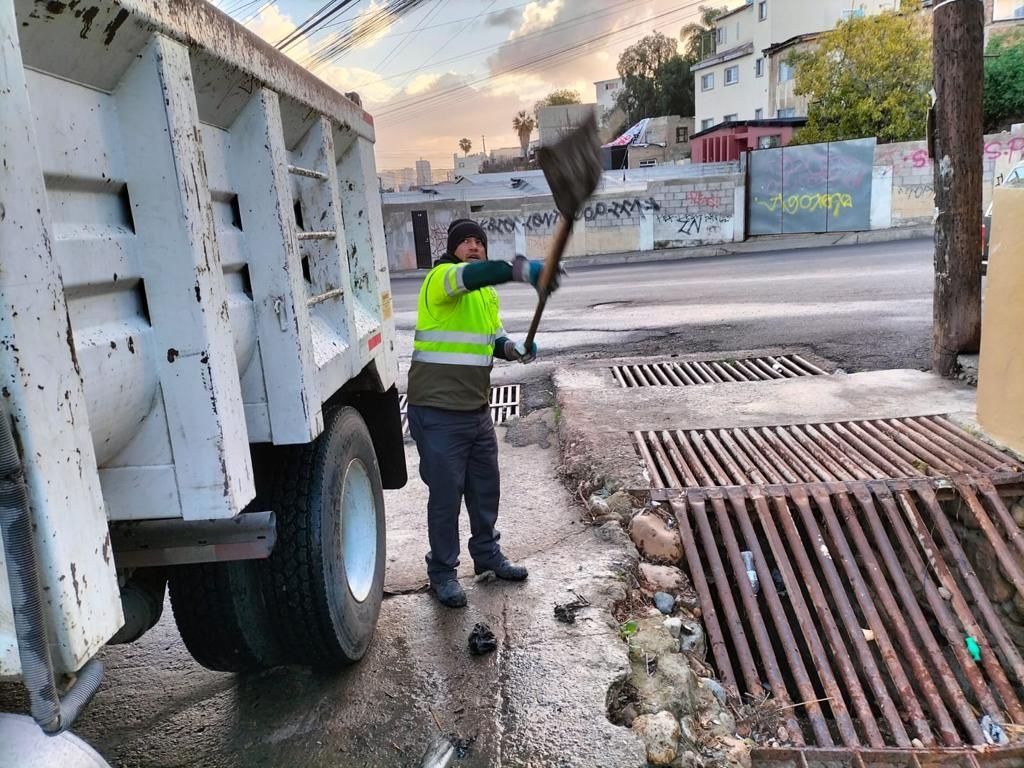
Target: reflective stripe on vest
{"x":457,"y":331}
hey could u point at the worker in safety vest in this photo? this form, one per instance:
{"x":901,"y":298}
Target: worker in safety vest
{"x":458,"y":335}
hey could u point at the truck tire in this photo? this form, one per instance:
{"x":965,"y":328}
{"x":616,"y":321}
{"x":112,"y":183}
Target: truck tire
{"x":324,"y":581}
{"x":221,"y":616}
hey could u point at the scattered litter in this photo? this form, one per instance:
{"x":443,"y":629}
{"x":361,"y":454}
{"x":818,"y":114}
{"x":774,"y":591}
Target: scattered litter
{"x":566,"y":612}
{"x":993,"y":732}
{"x":972,"y":648}
{"x":868,"y":635}
{"x":780,"y":582}
{"x":945,"y":594}
{"x":716,"y":688}
{"x":461,"y":746}
{"x":486,"y":576}
{"x":917,"y":744}
{"x":748,"y":563}
{"x":691,"y":639}
{"x":482,"y":640}
{"x":439,"y":753}
{"x":664,"y":602}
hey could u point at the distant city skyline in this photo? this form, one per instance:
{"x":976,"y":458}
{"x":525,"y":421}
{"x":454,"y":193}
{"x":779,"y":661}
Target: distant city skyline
{"x":463,"y":68}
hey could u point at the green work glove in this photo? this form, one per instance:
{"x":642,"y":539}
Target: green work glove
{"x":526,"y":271}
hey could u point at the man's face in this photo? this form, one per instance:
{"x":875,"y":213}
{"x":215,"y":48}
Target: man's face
{"x":471,"y":249}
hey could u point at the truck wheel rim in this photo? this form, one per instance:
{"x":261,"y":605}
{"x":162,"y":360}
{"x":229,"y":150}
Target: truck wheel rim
{"x":359,"y":530}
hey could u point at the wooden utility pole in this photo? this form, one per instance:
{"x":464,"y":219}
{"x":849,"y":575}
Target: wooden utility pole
{"x":958,"y":43}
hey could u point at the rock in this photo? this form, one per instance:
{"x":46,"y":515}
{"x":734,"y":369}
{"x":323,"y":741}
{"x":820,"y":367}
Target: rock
{"x":689,"y":760}
{"x":737,"y":751}
{"x":1017,"y":510}
{"x":671,"y":686}
{"x":598,"y":505}
{"x":655,"y":539}
{"x":716,"y":688}
{"x":629,"y":715}
{"x":664,"y":602}
{"x":663,"y":578}
{"x":917,"y":744}
{"x":673,"y":624}
{"x":691,"y":639}
{"x":612,"y":533}
{"x":687,"y":733}
{"x":660,"y":734}
{"x":723,"y":725}
{"x":651,"y":639}
{"x":534,"y":429}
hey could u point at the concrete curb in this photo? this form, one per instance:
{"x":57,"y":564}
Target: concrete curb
{"x":764,"y":244}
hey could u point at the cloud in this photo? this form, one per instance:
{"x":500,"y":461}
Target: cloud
{"x":506,"y":18}
{"x":422,"y":82}
{"x":538,"y":16}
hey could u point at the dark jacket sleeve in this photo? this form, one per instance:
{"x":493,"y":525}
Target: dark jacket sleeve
{"x":478,"y":274}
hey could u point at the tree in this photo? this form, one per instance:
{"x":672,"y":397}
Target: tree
{"x":465,"y":145}
{"x":698,"y":37}
{"x":871,"y":76}
{"x":656,"y":80}
{"x":1004,"y":81}
{"x":556,"y":98}
{"x":523,"y":124}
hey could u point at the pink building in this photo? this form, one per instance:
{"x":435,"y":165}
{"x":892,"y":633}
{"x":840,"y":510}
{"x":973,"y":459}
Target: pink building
{"x":728,"y":141}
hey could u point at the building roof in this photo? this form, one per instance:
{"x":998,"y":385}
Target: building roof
{"x":780,"y":122}
{"x":747,"y":5}
{"x":774,"y":48}
{"x":609,"y":80}
{"x":733,"y":53}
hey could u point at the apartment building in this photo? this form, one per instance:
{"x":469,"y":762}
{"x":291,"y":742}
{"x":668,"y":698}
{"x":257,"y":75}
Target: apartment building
{"x":747,"y":78}
{"x":606,"y":91}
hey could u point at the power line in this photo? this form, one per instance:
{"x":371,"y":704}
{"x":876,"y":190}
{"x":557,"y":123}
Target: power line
{"x":405,"y":41}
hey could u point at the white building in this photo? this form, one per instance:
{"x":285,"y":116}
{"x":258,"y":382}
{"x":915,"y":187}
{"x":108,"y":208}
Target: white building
{"x":423,"y":174}
{"x":606,"y":91}
{"x":468,"y":164}
{"x":747,"y":77}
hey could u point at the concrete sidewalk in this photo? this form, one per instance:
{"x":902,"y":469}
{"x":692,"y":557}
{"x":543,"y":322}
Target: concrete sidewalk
{"x":597,"y":415}
{"x":763,"y":244}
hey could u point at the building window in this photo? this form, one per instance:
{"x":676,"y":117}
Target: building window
{"x":731,"y":118}
{"x":682,"y":134}
{"x":732,"y":75}
{"x":647,"y":163}
{"x":787,"y":112}
{"x":720,"y":36}
{"x":762,"y":10}
{"x":759,"y":114}
{"x":1004,"y":10}
{"x":786,"y":72}
{"x":769,"y":142}
{"x":759,"y":67}
{"x":707,"y":82}
{"x":705,"y":124}
{"x":853,"y":13}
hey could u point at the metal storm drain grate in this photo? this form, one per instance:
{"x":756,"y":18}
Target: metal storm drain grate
{"x":854,"y":450}
{"x":694,"y":372}
{"x":504,"y":401}
{"x":833,"y":579}
{"x":853,"y":605}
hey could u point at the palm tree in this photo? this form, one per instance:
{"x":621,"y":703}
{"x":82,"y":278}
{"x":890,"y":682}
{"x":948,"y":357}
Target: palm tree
{"x":523,"y":124}
{"x":465,"y":145}
{"x":699,"y":36}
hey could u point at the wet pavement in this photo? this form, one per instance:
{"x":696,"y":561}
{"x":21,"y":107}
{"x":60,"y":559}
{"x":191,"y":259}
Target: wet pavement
{"x":539,"y":699}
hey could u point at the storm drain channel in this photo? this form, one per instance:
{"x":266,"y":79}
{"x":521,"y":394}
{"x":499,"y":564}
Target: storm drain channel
{"x":696,"y":372}
{"x":830,"y":564}
{"x":504,"y":402}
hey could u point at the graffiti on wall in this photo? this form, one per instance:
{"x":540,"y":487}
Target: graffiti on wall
{"x":438,"y":240}
{"x":813,"y":188}
{"x":704,"y":226}
{"x":702,"y":200}
{"x":1012,"y":150}
{"x":605,"y":209}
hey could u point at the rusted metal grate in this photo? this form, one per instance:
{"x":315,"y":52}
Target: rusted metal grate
{"x":694,"y":372}
{"x":1009,"y":757}
{"x":864,"y":601}
{"x":504,"y":401}
{"x":927,"y":446}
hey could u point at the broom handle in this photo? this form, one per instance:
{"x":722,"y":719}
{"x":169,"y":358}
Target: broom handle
{"x":548,"y":274}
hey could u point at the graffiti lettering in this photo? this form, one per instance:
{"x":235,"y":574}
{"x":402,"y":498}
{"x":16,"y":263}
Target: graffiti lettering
{"x":706,"y":224}
{"x":533,"y":222}
{"x":919,"y":192}
{"x":1012,"y":149}
{"x":704,"y":201}
{"x":835,"y":202}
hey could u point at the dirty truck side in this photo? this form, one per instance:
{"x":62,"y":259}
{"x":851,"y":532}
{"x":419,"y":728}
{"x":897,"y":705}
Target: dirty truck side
{"x":196,"y":346}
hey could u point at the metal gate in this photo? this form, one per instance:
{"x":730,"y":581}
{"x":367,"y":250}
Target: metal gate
{"x":813,"y":188}
{"x":421,"y":237}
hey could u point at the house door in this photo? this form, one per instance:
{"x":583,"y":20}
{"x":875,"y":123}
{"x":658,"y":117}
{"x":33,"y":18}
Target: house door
{"x":421,"y":236}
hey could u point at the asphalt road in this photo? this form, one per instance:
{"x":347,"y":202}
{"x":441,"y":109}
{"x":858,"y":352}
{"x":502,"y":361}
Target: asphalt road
{"x":862,"y":307}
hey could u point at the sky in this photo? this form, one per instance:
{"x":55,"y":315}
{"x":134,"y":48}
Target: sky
{"x":463,"y":68}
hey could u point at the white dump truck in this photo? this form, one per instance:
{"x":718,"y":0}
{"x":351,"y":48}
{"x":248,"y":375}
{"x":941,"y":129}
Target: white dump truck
{"x":197,"y":363}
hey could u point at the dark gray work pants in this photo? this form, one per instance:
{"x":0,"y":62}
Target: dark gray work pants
{"x":458,"y":459}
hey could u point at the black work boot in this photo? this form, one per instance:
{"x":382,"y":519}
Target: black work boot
{"x":506,"y":570}
{"x":449,"y":593}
